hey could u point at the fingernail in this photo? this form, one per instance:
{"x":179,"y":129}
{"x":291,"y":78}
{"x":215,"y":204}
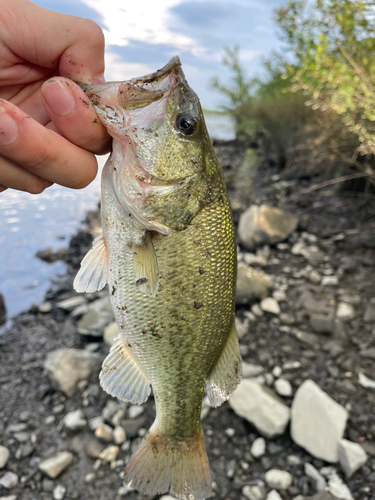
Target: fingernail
{"x":59,"y":97}
{"x":98,"y":80}
{"x":8,"y":128}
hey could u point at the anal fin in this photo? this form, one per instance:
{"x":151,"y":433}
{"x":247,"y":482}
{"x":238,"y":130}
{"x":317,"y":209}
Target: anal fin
{"x":226,"y":373}
{"x":146,"y":266}
{"x":93,"y":272}
{"x":122,"y":377}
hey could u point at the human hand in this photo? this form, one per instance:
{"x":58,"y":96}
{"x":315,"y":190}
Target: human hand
{"x":48,"y":129}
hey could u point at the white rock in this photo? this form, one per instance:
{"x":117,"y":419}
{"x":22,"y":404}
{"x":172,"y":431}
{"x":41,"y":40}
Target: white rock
{"x":315,"y":277}
{"x":9,"y":497}
{"x":109,"y":454}
{"x":345,"y":311}
{"x":45,"y":308}
{"x":71,"y":303}
{"x":258,"y":448}
{"x":278,"y":479}
{"x":110,"y":333}
{"x":95,"y":422}
{"x":251,"y":284}
{"x":250,"y":371}
{"x":317,"y":422}
{"x":66,"y":367}
{"x":279,"y":296}
{"x":330,"y":281}
{"x":277,"y":371}
{"x":254,"y":492}
{"x":291,"y":365}
{"x":119,"y":434}
{"x":54,"y":466}
{"x":4,"y":456}
{"x":311,"y":472}
{"x":283,"y":387}
{"x":338,"y":488}
{"x":104,"y":432}
{"x":134,"y":411}
{"x":351,"y":456}
{"x":260,"y":407}
{"x":75,"y":420}
{"x":363,"y":380}
{"x":255,"y":309}
{"x":273,"y":495}
{"x":9,"y":480}
{"x":59,"y":492}
{"x":269,"y":304}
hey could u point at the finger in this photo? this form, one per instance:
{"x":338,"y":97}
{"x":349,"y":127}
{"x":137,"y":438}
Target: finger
{"x":16,"y":177}
{"x":76,"y":47}
{"x":74,"y":116}
{"x":42,"y":151}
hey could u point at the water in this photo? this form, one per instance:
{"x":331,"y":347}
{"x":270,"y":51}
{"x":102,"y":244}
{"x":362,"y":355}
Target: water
{"x":29,"y":223}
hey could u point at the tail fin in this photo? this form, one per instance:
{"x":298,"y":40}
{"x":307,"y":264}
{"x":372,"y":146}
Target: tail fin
{"x":161,"y":464}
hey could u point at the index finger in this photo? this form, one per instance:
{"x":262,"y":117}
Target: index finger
{"x":70,"y":43}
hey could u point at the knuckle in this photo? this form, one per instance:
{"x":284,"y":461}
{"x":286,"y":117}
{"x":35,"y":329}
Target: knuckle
{"x":94,"y":30}
{"x":36,"y":186}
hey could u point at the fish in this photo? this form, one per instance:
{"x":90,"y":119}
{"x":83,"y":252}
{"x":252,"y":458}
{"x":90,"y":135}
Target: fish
{"x":168,"y":254}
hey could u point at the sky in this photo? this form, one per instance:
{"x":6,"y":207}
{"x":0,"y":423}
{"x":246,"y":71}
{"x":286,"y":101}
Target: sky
{"x":142,"y":35}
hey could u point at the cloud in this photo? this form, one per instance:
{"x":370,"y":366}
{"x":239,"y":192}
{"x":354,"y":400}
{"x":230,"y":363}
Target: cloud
{"x":116,"y":69}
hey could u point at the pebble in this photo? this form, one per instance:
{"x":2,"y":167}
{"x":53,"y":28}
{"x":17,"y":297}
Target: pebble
{"x":54,"y":466}
{"x":279,"y":296}
{"x":258,"y":448}
{"x":260,"y":407}
{"x":90,"y":478}
{"x":330,"y":281}
{"x":134,"y":411}
{"x":72,"y":302}
{"x":59,"y":492}
{"x":250,"y":370}
{"x":363,"y":381}
{"x":291,"y":365}
{"x":104,"y":432}
{"x":278,"y":479}
{"x":94,"y":449}
{"x":9,"y":480}
{"x":283,"y":387}
{"x":317,"y":421}
{"x":9,"y":497}
{"x":345,"y":311}
{"x":119,"y":434}
{"x":315,"y":277}
{"x":351,"y":456}
{"x":319,"y":481}
{"x":337,"y":487}
{"x":369,"y":313}
{"x":273,"y":495}
{"x":269,"y":304}
{"x":109,"y":454}
{"x":255,"y":309}
{"x":75,"y":420}
{"x":277,"y":371}
{"x":254,"y":492}
{"x":4,"y":456}
{"x":111,"y":332}
{"x":321,"y":323}
{"x":95,"y":422}
{"x":45,"y":308}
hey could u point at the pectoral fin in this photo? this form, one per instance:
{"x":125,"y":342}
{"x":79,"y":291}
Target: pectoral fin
{"x":92,"y":275}
{"x":226,"y":373}
{"x":146,"y":266}
{"x":122,"y":377}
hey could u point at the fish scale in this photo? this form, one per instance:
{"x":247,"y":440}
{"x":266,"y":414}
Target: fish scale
{"x":168,"y":253}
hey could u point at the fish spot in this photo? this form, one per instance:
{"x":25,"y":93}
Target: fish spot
{"x":141,"y":281}
{"x":113,"y":290}
{"x":201,"y":270}
{"x":197,"y":305}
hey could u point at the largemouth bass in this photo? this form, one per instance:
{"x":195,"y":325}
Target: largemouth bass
{"x":168,"y":254}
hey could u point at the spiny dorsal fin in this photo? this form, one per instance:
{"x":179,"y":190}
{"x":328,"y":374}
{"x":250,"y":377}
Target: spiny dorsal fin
{"x":122,"y":377}
{"x":92,"y":275}
{"x":146,"y":266}
{"x":226,"y":373}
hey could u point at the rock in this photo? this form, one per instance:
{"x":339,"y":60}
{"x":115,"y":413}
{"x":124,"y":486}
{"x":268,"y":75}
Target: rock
{"x":119,"y":434}
{"x":279,"y":296}
{"x":269,"y":304}
{"x":315,"y":277}
{"x":54,"y":466}
{"x":9,"y":480}
{"x":273,"y":495}
{"x":109,"y":454}
{"x":330,"y":281}
{"x":254,"y":492}
{"x":317,"y":422}
{"x":338,"y":488}
{"x":75,"y":420}
{"x":59,"y":492}
{"x":258,"y":448}
{"x":323,"y":495}
{"x":97,"y":317}
{"x":9,"y":497}
{"x":104,"y":432}
{"x":311,"y":472}
{"x":278,"y":479}
{"x":312,"y":253}
{"x":368,"y":353}
{"x":364,"y":382}
{"x":260,"y":225}
{"x":345,"y":311}
{"x":291,"y":366}
{"x":351,"y":456}
{"x":65,"y":367}
{"x":250,"y":371}
{"x":45,"y":308}
{"x":71,"y":303}
{"x":4,"y":456}
{"x":110,"y":333}
{"x":321,"y":323}
{"x":369,"y":313}
{"x":94,"y":449}
{"x":256,"y":310}
{"x":134,"y":411}
{"x":251,"y":284}
{"x":260,"y":407}
{"x":283,"y":387}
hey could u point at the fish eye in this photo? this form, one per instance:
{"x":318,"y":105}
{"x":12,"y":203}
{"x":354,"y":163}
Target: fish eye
{"x":186,"y":123}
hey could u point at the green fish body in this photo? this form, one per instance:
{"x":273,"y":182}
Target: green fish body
{"x":168,"y":254}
